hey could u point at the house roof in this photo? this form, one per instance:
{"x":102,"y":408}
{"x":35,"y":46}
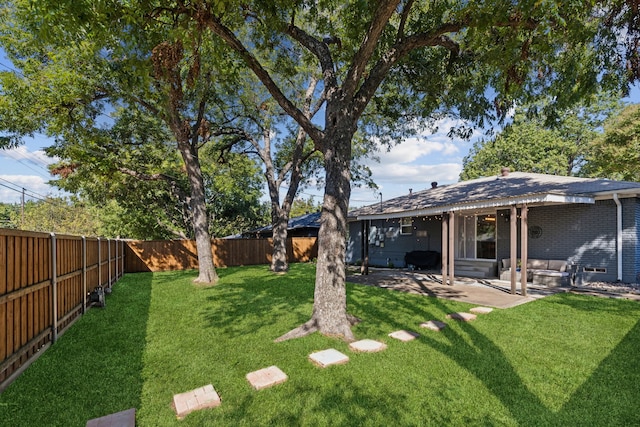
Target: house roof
{"x":515,"y":188}
{"x":310,"y":220}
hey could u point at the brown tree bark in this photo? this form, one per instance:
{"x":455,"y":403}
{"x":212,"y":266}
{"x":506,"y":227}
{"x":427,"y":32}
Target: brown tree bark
{"x":206,"y":270}
{"x":330,"y":315}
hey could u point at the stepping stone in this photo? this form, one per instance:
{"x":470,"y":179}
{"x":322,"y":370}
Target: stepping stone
{"x":434,"y":325}
{"x":404,"y":336}
{"x":119,"y":419}
{"x":200,"y":398}
{"x":328,"y":357}
{"x":463,"y":317}
{"x":367,"y":346}
{"x":266,"y":377}
{"x":481,"y":310}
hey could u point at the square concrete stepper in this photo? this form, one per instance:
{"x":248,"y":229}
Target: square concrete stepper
{"x":328,"y":357}
{"x":434,"y":325}
{"x":481,"y":310}
{"x":266,"y":377}
{"x":119,"y":419}
{"x":200,"y":398}
{"x":404,"y":336}
{"x":367,"y":346}
{"x":463,"y":317}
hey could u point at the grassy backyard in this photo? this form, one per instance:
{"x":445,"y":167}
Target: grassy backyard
{"x":563,"y":360}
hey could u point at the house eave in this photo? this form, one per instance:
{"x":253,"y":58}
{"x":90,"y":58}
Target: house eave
{"x":530,"y":200}
{"x":609,"y":195}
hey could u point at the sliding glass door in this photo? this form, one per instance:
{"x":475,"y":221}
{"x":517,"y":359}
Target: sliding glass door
{"x":476,"y":236}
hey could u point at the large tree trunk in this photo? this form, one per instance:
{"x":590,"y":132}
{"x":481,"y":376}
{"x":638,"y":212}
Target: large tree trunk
{"x":330,"y":315}
{"x":207,"y":271}
{"x":280,"y":221}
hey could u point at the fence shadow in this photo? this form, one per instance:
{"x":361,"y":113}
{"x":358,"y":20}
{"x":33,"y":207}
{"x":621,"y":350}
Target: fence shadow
{"x":100,"y":358}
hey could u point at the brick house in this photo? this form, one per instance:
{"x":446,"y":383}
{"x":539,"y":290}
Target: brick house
{"x":592,"y":224}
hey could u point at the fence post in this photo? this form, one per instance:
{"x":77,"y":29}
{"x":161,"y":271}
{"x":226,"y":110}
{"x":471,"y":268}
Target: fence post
{"x":116,"y":259}
{"x":99,"y":263}
{"x":84,"y":274}
{"x":54,"y":288}
{"x":109,"y":261}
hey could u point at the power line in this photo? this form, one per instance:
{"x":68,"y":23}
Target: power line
{"x":27,"y":192}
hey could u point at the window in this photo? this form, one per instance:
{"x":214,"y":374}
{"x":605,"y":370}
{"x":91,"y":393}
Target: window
{"x":406,"y":226}
{"x":594,"y":270}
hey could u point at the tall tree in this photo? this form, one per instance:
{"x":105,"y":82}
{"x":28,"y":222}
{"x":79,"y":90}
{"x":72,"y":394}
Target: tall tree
{"x":615,"y":153}
{"x":534,"y":142}
{"x":72,"y":70}
{"x":437,"y":56}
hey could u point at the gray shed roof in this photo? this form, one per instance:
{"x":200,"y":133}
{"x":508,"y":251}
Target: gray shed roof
{"x":516,"y":188}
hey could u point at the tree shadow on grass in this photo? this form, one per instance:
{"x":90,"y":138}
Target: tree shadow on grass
{"x":241,"y":303}
{"x":239,"y":307}
{"x":93,"y":370}
{"x":606,"y":397}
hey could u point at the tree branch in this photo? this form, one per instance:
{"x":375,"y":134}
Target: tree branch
{"x":403,"y":20}
{"x":321,"y":51}
{"x":361,"y":59}
{"x":254,"y":64}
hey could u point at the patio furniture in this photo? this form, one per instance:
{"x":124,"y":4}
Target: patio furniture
{"x":545,"y":272}
{"x":422,"y":259}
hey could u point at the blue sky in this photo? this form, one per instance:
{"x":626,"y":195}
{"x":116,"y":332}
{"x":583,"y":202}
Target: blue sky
{"x":412,"y":164}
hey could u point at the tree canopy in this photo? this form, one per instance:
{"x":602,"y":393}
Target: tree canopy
{"x":615,"y":153}
{"x":534,"y":142}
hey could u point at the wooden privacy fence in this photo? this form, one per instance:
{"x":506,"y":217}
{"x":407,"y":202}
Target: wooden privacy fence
{"x":156,"y":255}
{"x":45,"y":282}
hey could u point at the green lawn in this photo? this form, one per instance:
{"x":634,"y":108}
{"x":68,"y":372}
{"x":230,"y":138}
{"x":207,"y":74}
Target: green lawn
{"x":560,"y":361}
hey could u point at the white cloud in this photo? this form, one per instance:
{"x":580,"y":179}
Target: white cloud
{"x":37,"y":157}
{"x":414,"y":163}
{"x":11,"y":187}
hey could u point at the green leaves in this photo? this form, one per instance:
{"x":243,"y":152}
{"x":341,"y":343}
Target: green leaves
{"x":543,"y":139}
{"x":615,"y":154}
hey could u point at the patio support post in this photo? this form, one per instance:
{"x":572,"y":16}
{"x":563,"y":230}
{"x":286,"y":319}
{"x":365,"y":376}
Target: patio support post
{"x":364,"y":268}
{"x":524,"y":235}
{"x":513,"y":245}
{"x":452,"y":217}
{"x":445,"y":248}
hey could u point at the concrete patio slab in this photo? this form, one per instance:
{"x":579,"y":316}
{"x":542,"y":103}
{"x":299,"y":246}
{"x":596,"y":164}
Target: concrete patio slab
{"x":328,"y":357}
{"x":266,"y":377}
{"x":481,"y":310}
{"x":194,"y":400}
{"x":367,"y":346}
{"x":119,"y":419}
{"x":463,"y":317}
{"x":404,"y":336}
{"x":490,"y":293}
{"x":434,"y":325}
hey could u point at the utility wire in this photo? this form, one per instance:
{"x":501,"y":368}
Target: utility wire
{"x":27,"y":192}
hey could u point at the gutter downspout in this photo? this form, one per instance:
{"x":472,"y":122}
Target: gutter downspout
{"x":618,"y":234}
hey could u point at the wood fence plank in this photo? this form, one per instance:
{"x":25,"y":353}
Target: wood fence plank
{"x":30,"y":260}
{"x":4,"y":266}
{"x":10,"y":327}
{"x":11,"y":263}
{"x":4,"y":348}
{"x":24,"y":313}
